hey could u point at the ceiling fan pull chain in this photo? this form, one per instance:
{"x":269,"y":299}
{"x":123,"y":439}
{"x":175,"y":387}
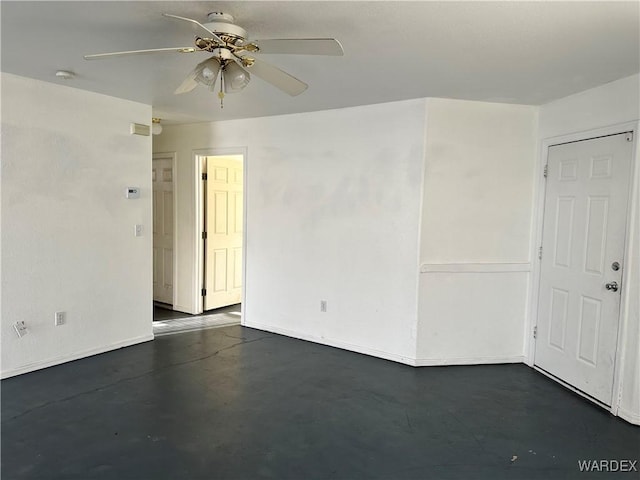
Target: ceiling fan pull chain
{"x":221,"y":92}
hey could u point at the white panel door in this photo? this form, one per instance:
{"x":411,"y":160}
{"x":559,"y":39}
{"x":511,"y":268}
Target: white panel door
{"x":584,"y":228}
{"x":223,"y":222}
{"x":163,"y":221}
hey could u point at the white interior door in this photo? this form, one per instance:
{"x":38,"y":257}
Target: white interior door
{"x":223,"y":223}
{"x":163,"y":221}
{"x":584,"y":229}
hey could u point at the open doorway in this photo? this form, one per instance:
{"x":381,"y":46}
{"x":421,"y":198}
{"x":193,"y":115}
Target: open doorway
{"x":218,"y":234}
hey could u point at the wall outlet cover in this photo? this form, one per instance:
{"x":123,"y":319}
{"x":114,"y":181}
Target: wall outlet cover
{"x":20,"y":328}
{"x":132,"y":192}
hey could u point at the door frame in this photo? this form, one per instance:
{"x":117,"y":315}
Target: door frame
{"x":198,"y":260}
{"x":174,"y":171}
{"x":538,"y":220}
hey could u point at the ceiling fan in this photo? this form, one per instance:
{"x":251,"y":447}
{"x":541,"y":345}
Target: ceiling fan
{"x":233,"y":56}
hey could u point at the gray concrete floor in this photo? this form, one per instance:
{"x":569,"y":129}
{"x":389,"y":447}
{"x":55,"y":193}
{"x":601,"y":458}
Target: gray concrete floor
{"x":237,"y":403}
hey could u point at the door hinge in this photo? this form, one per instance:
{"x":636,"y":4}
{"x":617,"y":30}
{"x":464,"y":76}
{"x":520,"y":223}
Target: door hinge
{"x":204,"y":176}
{"x":535,"y":332}
{"x":546,"y":171}
{"x":204,"y":235}
{"x":204,"y":292}
{"x":540,"y":253}
{"x":629,"y":137}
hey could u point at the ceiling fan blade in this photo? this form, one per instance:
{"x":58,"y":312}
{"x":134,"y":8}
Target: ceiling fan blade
{"x":188,"y":84}
{"x":276,"y":77}
{"x":213,"y":35}
{"x":301,"y":46}
{"x":100,"y":56}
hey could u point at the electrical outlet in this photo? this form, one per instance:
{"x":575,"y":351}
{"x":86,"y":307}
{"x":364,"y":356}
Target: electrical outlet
{"x":20,"y":328}
{"x":323,"y":305}
{"x":60,"y":319}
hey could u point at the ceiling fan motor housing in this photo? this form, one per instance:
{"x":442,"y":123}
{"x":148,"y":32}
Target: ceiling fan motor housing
{"x":222,"y":25}
{"x":222,"y":54}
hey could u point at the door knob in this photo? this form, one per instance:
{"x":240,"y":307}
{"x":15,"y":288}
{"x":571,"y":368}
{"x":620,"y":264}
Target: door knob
{"x":613,"y":286}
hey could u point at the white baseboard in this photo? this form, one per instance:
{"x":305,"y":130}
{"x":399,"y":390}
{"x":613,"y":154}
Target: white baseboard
{"x":630,"y":417}
{"x":331,"y":343}
{"x":439,"y":362}
{"x":75,"y":356}
{"x":413,"y":362}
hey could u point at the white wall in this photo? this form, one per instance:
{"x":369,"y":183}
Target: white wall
{"x":332,"y":213}
{"x":614,"y":103}
{"x":629,"y":406}
{"x":476,"y":232}
{"x":67,"y":230}
{"x":335,"y":202}
{"x":334,"y":208}
{"x":609,"y":104}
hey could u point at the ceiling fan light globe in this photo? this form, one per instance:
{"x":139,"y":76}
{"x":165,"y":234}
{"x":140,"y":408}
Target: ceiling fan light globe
{"x":235,"y":78}
{"x":207,"y":72}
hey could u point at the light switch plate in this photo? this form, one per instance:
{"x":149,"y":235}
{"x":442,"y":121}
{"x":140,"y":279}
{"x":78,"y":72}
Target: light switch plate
{"x":138,"y":230}
{"x":59,"y":319}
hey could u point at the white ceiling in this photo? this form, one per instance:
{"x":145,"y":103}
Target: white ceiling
{"x":512,"y":52}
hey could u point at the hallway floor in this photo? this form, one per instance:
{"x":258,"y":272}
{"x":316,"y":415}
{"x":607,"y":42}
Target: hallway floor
{"x":163,"y":312}
{"x":238,"y":403}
